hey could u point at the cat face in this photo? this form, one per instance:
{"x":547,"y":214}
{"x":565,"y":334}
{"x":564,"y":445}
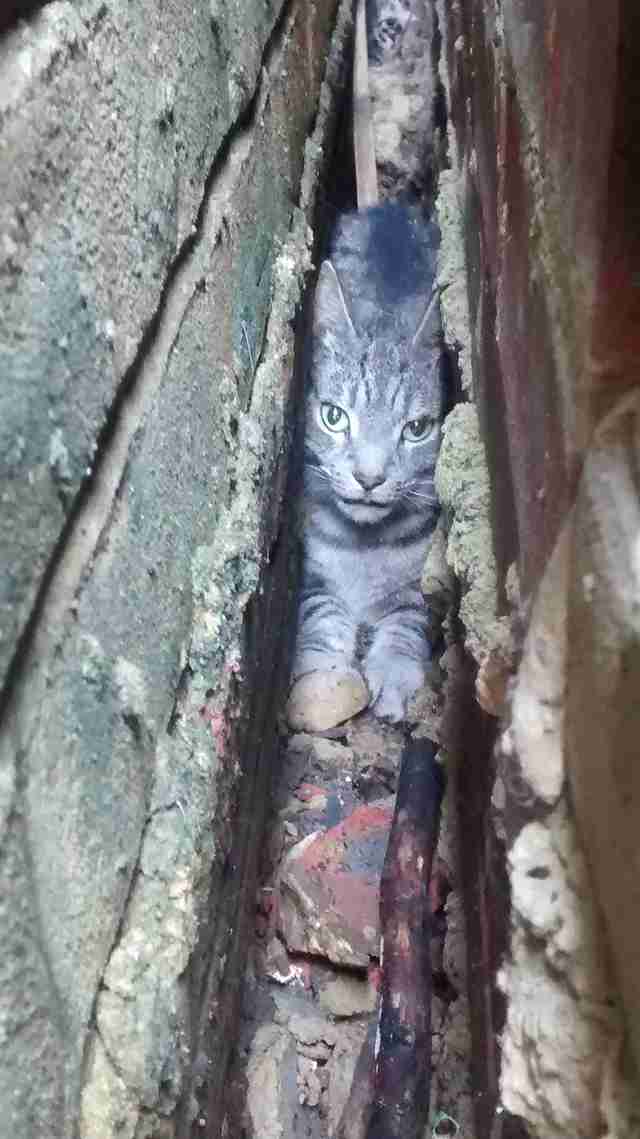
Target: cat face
{"x":374,"y":415}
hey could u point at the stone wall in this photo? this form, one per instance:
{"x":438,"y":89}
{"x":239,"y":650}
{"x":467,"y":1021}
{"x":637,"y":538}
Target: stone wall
{"x":159,"y":165}
{"x":158,"y":174}
{"x":538,"y":206}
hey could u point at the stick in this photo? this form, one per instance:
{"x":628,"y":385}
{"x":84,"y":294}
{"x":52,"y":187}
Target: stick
{"x":363,"y":138}
{"x":403,"y":1046}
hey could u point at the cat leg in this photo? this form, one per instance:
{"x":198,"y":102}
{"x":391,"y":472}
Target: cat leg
{"x":326,"y":637}
{"x":327,"y":688}
{"x":396,"y":663}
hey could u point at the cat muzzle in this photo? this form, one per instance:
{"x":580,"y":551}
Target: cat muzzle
{"x":365,"y":510}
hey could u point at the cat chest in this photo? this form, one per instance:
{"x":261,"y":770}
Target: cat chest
{"x":365,"y":578}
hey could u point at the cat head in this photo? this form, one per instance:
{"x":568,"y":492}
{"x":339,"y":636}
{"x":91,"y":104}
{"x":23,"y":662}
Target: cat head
{"x":374,"y":409}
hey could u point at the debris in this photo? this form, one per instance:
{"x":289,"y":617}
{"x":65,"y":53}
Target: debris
{"x":271,"y":1065}
{"x":347,"y":996}
{"x":356,"y":1113}
{"x":329,"y":888}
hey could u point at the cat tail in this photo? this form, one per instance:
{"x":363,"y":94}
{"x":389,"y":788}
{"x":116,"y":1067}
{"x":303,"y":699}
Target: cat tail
{"x":363,"y":136}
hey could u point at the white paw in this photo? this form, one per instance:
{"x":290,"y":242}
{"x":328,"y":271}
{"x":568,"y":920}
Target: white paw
{"x":392,"y":689}
{"x":391,"y":705}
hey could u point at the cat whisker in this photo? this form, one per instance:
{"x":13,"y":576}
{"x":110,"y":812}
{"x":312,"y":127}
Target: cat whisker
{"x":339,"y":485}
{"x":420,"y":484}
{"x":430,"y":498}
{"x":321,"y":472}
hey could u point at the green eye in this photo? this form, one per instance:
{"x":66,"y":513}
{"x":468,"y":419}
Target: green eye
{"x":334,"y":418}
{"x":417,"y":429}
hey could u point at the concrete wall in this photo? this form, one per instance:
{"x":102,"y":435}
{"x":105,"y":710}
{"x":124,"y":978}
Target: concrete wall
{"x":539,"y":207}
{"x":154,"y":237}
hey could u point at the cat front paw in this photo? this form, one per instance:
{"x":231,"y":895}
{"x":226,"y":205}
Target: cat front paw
{"x":391,"y":705}
{"x":392,"y":690}
{"x":324,"y":698}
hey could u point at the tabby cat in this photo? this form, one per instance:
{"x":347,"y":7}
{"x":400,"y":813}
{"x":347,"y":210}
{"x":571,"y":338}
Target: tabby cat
{"x":374,"y":410}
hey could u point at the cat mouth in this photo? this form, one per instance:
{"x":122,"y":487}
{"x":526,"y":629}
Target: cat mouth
{"x":363,"y":510}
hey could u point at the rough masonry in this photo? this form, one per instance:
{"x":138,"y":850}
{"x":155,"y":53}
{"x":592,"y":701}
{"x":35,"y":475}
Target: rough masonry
{"x":541,"y":240}
{"x":158,"y":175}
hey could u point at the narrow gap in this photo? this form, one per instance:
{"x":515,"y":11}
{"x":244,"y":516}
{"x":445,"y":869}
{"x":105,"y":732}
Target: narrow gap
{"x":311,"y":982}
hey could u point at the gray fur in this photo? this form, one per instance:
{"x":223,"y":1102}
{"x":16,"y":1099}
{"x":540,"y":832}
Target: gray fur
{"x":369,"y":498}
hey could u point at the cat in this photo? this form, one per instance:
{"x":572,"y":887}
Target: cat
{"x":374,"y":410}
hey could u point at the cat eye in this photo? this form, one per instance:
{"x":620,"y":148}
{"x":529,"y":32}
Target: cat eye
{"x":334,"y":418}
{"x":417,"y":429}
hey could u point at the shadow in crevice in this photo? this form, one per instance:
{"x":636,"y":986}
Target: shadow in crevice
{"x":16,"y":10}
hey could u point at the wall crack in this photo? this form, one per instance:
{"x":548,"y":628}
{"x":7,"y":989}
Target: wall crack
{"x":86,"y":523}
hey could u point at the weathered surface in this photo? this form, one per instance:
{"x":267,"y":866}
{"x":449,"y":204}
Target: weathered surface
{"x":536,"y":214}
{"x":329,"y":886}
{"x":272,"y":1064}
{"x":463,"y":488}
{"x":560,"y":1033}
{"x":298,"y":1075}
{"x":603,"y":663}
{"x":353,"y":1121}
{"x":108,"y":136}
{"x":153,"y":261}
{"x":348,"y":996}
{"x":342,"y":1072}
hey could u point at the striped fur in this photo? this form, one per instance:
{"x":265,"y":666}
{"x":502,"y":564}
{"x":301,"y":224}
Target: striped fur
{"x":369,"y":497}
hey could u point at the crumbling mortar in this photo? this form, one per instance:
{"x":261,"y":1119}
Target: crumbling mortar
{"x":132,"y":927}
{"x":143,"y":1111}
{"x":92,"y":1026}
{"x":112,"y":1060}
{"x":136,"y":873}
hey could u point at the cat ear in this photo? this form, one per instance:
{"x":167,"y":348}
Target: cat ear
{"x":429,"y":332}
{"x":330,"y":307}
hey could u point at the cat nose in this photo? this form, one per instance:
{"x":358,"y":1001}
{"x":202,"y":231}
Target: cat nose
{"x":369,"y":479}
